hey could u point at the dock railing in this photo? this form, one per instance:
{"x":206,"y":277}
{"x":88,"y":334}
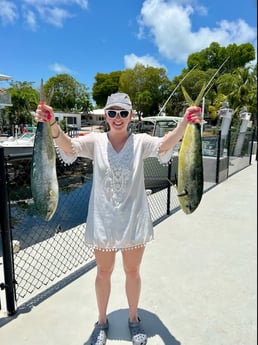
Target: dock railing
{"x":35,"y":254}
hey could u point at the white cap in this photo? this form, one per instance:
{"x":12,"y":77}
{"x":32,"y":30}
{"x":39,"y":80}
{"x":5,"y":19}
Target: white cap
{"x":119,"y":99}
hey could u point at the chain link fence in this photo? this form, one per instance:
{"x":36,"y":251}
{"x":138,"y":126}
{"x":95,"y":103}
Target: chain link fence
{"x":46,"y":252}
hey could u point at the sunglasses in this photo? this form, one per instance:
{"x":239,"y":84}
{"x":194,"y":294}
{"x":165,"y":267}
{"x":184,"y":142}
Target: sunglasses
{"x":122,"y":113}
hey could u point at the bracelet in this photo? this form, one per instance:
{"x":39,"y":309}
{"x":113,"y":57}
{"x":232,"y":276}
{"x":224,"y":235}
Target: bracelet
{"x":59,"y":133}
{"x":52,"y":124}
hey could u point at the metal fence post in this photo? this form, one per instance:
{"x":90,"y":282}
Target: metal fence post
{"x":218,"y":157}
{"x":169,"y":187}
{"x":252,"y":145}
{"x":9,"y":282}
{"x":228,"y":151}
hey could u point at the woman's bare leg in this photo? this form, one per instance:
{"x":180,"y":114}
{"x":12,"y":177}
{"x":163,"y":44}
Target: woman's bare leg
{"x":132,"y":261}
{"x":105,"y":264}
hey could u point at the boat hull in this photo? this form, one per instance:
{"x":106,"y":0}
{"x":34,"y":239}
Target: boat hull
{"x":17,"y":150}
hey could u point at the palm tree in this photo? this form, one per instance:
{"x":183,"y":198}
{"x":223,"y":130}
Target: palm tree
{"x":244,"y":85}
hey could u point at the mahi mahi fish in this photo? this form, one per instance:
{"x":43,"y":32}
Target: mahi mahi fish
{"x":190,"y":164}
{"x":44,"y":183}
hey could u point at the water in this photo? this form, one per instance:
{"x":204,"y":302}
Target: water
{"x":75,"y":183}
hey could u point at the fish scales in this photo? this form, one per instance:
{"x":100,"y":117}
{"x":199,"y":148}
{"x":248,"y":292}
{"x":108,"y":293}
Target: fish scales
{"x":190,"y":169}
{"x":44,"y":183}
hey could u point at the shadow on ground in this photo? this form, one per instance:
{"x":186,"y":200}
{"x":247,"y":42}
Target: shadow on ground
{"x":154,"y":327}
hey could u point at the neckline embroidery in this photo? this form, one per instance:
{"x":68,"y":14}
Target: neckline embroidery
{"x":118,"y":173}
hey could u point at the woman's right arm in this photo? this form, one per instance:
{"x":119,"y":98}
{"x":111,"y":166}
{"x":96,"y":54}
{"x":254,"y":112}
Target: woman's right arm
{"x":45,"y":113}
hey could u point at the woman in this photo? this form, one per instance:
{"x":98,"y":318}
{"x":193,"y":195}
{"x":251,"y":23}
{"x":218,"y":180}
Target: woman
{"x":118,"y":216}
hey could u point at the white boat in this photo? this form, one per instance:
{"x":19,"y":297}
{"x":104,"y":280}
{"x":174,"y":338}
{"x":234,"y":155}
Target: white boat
{"x":155,"y":174}
{"x":19,"y":145}
{"x":157,"y":126}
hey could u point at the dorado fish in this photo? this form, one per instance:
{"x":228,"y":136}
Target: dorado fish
{"x":44,"y":183}
{"x":190,"y":164}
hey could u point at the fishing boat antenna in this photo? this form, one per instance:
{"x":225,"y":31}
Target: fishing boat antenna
{"x":208,"y":87}
{"x":172,"y":93}
{"x":214,"y":75}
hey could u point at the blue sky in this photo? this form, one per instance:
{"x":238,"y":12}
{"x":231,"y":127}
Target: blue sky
{"x":41,"y":38}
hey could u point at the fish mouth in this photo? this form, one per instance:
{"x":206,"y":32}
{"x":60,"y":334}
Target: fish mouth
{"x":183,"y":193}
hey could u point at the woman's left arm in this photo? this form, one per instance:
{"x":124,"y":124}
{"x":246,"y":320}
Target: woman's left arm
{"x":192,"y":114}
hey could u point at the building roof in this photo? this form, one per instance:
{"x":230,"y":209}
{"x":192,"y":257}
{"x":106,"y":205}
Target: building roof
{"x":5,"y":77}
{"x":97,"y":112}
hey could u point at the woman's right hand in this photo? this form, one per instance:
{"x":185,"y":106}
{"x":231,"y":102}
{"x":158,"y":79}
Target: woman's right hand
{"x":44,"y":113}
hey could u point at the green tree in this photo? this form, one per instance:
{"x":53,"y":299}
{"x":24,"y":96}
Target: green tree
{"x":253,"y":95}
{"x":240,"y":55}
{"x":143,"y":99}
{"x":105,"y":85}
{"x":193,"y":84}
{"x":239,"y":87}
{"x":235,"y":82}
{"x":215,"y":55}
{"x":24,"y":99}
{"x":147,"y":87}
{"x":64,"y":93}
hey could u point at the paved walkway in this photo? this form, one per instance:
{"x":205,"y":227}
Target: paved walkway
{"x":199,"y":282}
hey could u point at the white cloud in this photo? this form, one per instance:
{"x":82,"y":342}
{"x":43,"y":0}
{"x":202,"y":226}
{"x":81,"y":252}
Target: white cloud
{"x":168,"y":24}
{"x":30,"y":19}
{"x":131,"y":60}
{"x":8,"y":12}
{"x":82,"y":3}
{"x":54,"y":12}
{"x":54,"y":16}
{"x":59,"y":68}
{"x":36,"y":3}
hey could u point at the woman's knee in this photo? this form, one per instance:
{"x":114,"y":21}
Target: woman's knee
{"x":104,"y":273}
{"x":132,"y":262}
{"x":105,"y":264}
{"x":132,"y":273}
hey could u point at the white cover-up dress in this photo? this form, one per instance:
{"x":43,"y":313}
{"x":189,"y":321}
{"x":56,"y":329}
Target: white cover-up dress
{"x":118,"y":213}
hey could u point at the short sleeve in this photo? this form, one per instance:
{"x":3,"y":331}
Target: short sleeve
{"x":151,"y":147}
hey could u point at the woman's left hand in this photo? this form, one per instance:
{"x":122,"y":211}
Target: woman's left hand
{"x":194,"y":114}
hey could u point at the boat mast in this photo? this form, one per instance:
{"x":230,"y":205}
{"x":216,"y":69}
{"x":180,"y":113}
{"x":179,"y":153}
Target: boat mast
{"x":172,"y":93}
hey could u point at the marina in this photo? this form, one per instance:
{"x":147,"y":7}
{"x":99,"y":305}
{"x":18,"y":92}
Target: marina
{"x":18,"y":145}
{"x":222,"y":287}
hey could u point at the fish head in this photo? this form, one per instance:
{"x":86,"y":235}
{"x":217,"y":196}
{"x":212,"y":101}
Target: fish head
{"x":188,"y":203}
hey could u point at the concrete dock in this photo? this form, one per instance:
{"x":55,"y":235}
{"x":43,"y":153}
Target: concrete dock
{"x":199,"y":282}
